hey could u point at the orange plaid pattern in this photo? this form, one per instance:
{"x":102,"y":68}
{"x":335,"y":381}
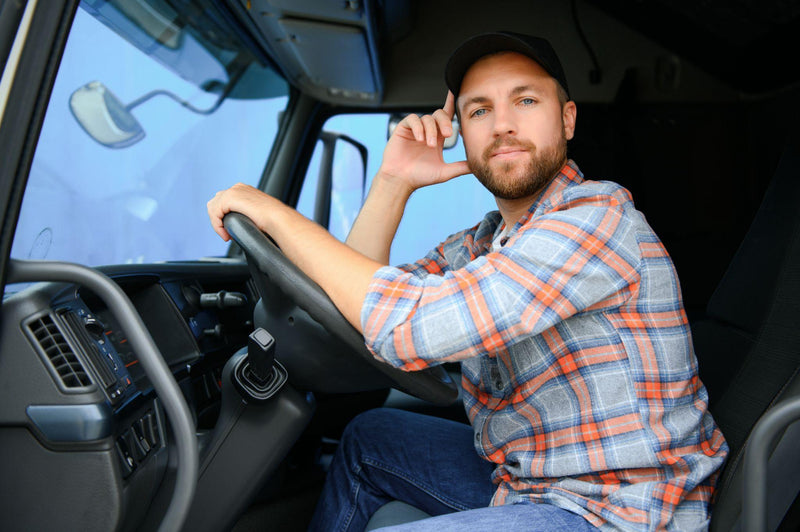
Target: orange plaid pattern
{"x":579,"y":376}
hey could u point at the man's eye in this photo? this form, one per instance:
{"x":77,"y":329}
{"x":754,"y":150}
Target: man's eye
{"x":479,"y":112}
{"x":527,"y":101}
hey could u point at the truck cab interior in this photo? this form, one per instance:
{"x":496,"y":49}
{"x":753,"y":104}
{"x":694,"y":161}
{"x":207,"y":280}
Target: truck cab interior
{"x":153,"y":376}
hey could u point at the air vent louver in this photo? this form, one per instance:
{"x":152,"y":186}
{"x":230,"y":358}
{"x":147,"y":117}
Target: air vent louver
{"x":59,"y":352}
{"x":96,"y":358}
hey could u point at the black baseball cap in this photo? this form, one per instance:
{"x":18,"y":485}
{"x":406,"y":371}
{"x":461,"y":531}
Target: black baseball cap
{"x":472,"y":49}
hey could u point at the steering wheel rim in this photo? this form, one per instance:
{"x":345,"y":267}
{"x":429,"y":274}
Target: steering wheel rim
{"x":432,"y":384}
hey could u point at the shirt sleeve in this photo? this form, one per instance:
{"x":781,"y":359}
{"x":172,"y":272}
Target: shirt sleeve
{"x":584,"y":259}
{"x":434,"y":263}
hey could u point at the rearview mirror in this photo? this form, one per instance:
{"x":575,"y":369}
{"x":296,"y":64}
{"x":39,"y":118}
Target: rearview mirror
{"x":449,"y":142}
{"x":104,"y":117}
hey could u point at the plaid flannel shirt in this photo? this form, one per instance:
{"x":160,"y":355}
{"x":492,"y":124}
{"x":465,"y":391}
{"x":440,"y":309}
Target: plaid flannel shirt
{"x":579,"y":375}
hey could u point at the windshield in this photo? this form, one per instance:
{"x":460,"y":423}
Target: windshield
{"x":142,"y":128}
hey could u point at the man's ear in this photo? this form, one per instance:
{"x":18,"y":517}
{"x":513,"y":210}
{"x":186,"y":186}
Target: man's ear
{"x":569,"y":114}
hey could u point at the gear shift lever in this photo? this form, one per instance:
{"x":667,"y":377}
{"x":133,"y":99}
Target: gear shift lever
{"x":261,"y":354}
{"x":257,"y":376}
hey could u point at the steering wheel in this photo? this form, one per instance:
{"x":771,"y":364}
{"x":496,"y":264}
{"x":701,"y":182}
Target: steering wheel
{"x":351,"y":366}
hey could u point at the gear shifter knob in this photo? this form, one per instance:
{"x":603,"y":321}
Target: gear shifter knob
{"x":261,"y":353}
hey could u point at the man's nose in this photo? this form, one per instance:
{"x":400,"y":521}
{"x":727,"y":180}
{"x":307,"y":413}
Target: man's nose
{"x":504,"y":122}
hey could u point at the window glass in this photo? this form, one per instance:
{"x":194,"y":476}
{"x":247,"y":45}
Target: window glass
{"x":432,"y":214}
{"x":347,"y":196}
{"x":144,"y":198}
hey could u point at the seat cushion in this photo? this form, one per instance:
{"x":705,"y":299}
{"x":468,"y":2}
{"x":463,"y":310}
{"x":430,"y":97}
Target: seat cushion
{"x":395,"y":513}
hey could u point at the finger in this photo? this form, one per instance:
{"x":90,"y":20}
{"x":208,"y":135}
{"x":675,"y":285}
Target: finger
{"x":431,"y":130}
{"x":215,"y":215}
{"x":414,"y":123}
{"x":445,"y":122}
{"x":456,"y":169}
{"x":450,"y":105}
{"x":220,"y":230}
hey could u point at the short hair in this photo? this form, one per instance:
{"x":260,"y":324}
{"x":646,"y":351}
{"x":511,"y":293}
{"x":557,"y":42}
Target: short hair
{"x":561,"y":93}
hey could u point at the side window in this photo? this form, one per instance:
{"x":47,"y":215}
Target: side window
{"x":432,"y":214}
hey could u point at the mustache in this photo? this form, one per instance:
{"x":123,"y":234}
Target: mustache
{"x":506,"y":142}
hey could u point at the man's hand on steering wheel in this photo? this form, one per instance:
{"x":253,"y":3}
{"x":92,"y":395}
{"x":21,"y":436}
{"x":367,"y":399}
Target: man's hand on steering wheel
{"x":343,"y":273}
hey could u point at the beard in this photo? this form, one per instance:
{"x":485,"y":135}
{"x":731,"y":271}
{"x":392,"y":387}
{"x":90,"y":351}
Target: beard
{"x":503,"y":182}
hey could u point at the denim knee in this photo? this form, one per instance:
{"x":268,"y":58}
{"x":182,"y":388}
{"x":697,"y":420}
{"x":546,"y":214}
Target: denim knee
{"x":365,"y":431}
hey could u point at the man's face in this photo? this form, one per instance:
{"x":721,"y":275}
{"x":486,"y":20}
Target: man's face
{"x":514,"y":127}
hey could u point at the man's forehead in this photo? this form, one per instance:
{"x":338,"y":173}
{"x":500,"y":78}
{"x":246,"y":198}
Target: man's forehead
{"x":489,"y":71}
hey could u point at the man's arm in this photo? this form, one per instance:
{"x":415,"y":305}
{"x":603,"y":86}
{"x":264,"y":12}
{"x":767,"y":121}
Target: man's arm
{"x":413,"y":158}
{"x":585,"y":258}
{"x":377,"y":221}
{"x":343,"y":273}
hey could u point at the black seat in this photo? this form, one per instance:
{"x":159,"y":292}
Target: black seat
{"x":748,"y":350}
{"x":748,"y":347}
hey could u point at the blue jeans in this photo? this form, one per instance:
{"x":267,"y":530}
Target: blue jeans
{"x":429,"y":463}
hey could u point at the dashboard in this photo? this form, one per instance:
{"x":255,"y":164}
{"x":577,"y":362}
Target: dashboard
{"x":75,"y":403}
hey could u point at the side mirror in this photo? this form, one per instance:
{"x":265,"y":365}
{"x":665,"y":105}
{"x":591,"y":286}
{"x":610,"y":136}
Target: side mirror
{"x":104,"y":117}
{"x":341,"y":182}
{"x":449,"y":142}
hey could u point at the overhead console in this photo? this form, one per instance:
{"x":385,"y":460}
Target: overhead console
{"x":327,"y":49}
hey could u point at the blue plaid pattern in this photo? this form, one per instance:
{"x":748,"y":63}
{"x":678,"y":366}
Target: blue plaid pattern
{"x":579,"y":375}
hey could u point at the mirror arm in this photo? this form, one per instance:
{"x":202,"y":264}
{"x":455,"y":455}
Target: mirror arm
{"x":184,"y":103}
{"x":161,"y":92}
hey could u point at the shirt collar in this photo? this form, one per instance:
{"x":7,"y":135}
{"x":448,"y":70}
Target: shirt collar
{"x":489,"y":228}
{"x":568,"y":176}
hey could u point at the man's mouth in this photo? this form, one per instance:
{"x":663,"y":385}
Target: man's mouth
{"x":508,"y":152}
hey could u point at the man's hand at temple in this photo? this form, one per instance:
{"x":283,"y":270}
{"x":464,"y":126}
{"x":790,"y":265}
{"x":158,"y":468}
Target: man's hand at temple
{"x":412,"y":159}
{"x":413,"y":155}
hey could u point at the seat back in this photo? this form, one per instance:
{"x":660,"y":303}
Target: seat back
{"x":748,"y":348}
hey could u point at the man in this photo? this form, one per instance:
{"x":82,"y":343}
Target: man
{"x":563,"y":308}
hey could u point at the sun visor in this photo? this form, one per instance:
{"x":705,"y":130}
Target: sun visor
{"x":327,"y":49}
{"x":331,"y":56}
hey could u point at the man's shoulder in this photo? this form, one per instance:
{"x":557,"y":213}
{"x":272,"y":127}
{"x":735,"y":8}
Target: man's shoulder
{"x":600,"y":192}
{"x":590,"y":205}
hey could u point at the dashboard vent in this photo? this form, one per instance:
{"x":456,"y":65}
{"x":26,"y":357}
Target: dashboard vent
{"x":59,"y":352}
{"x":96,"y":358}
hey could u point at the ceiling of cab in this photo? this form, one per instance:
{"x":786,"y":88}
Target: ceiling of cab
{"x":391,"y":53}
{"x":750,"y":44}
